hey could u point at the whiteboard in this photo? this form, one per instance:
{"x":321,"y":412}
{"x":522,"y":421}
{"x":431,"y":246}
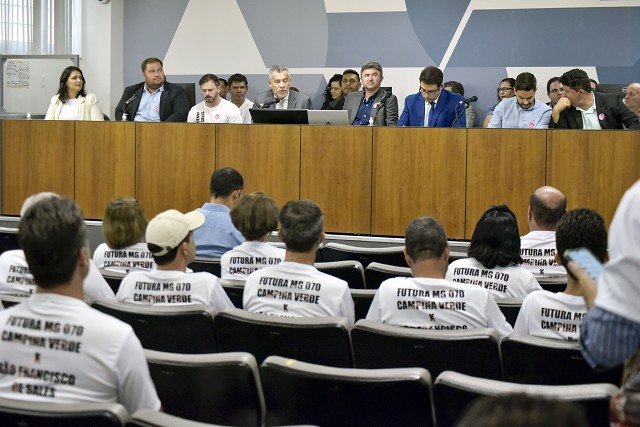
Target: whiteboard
{"x":29,"y":81}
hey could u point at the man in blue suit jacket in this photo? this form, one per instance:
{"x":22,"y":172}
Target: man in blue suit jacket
{"x":432,"y":106}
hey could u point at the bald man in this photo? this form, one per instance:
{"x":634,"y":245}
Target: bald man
{"x":538,"y":248}
{"x":632,"y":98}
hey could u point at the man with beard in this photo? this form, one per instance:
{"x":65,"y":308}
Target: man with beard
{"x":155,"y":99}
{"x":281,"y":95}
{"x":522,"y":111}
{"x":213,"y":109}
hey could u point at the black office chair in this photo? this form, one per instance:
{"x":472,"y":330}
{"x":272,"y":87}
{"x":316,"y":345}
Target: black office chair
{"x":376,"y":273}
{"x":323,"y":340}
{"x":214,"y":388}
{"x":8,"y":239}
{"x":473,"y":352}
{"x":34,"y":414}
{"x":510,"y":307}
{"x":393,"y":255}
{"x":234,"y":289}
{"x":349,"y":271}
{"x":210,"y":265}
{"x":304,"y":393}
{"x":362,"y":299}
{"x":190,"y":89}
{"x":177,"y":329}
{"x":113,"y":278}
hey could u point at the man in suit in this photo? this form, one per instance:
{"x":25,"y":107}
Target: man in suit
{"x":155,"y":99}
{"x":372,"y":106}
{"x":632,"y":97}
{"x":432,"y":106}
{"x":280,"y":97}
{"x":585,"y":109}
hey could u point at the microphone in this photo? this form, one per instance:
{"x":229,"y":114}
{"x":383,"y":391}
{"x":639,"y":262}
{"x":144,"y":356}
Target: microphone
{"x":468,"y":100}
{"x":130,"y":100}
{"x":386,"y":96}
{"x":268,"y":103}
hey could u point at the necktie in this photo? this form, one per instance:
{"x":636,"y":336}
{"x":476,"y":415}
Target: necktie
{"x":431,"y":114}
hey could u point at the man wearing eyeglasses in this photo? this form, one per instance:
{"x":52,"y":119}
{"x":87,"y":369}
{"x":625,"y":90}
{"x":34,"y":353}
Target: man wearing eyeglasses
{"x":555,"y":91}
{"x":372,"y":106}
{"x":432,"y":106}
{"x":522,"y":111}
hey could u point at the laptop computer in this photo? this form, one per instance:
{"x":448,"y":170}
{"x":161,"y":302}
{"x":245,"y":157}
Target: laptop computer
{"x":328,"y":117}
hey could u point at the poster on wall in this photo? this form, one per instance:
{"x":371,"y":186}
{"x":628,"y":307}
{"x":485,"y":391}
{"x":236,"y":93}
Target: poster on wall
{"x":17,"y":74}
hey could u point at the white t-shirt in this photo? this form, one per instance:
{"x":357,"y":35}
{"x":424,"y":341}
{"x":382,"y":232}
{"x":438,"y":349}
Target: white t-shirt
{"x":551,"y":315}
{"x":244,"y":111}
{"x":248,"y":257}
{"x":70,"y":110}
{"x":292,"y":289}
{"x":225,"y":112}
{"x":501,"y":282}
{"x":16,"y":279}
{"x":538,"y":250}
{"x":57,"y":349}
{"x":133,"y":258}
{"x":169,"y":287}
{"x":438,"y":304}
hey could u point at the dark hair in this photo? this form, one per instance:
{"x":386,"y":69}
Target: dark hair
{"x":526,"y":81}
{"x":522,"y":410}
{"x":511,"y":81}
{"x":576,"y":79}
{"x":169,"y":256}
{"x":582,"y":228}
{"x":62,"y":89}
{"x":456,"y":87}
{"x":327,"y":90}
{"x":238,"y":78}
{"x":496,"y":239}
{"x":225,"y":181}
{"x":351,"y":71}
{"x":209,"y":78}
{"x":255,"y":215}
{"x":425,"y":239}
{"x":124,"y":223}
{"x":431,"y":76}
{"x":52,"y":234}
{"x":226,"y":83}
{"x":301,"y":225}
{"x":551,"y":80}
{"x":372,"y":65}
{"x":545,"y":215}
{"x":150,"y":61}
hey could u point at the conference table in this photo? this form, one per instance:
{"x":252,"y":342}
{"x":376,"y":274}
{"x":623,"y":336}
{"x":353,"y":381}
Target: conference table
{"x":367,"y":180}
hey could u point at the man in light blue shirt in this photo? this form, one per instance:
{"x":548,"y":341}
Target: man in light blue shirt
{"x":218,"y":234}
{"x":522,"y":111}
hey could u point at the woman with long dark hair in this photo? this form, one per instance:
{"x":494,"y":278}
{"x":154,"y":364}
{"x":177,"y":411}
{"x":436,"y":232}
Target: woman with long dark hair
{"x":72,"y":102}
{"x":333,"y":92}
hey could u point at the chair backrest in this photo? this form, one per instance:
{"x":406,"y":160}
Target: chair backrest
{"x":473,"y":352}
{"x":376,"y":273}
{"x":214,"y":388}
{"x":234,"y":289}
{"x":510,"y":307}
{"x":8,"y":239}
{"x":323,"y":340}
{"x":535,"y":360}
{"x":176,"y":329}
{"x":190,"y":89}
{"x":149,"y":418}
{"x":210,"y":265}
{"x":362,"y":299}
{"x":304,"y":393}
{"x":10,"y":300}
{"x":351,"y":272}
{"x":113,"y":278}
{"x":453,"y":392}
{"x":392,"y":255}
{"x":552,"y":284}
{"x":34,"y":414}
{"x":456,"y":255}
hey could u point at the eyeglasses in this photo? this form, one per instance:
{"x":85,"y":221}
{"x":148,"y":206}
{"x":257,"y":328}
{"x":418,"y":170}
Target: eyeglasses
{"x":504,"y":89}
{"x":561,"y":90}
{"x":428,"y":92}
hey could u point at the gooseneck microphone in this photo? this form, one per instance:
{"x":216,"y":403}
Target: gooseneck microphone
{"x":268,"y":103}
{"x":466,"y":103}
{"x":130,"y":100}
{"x":468,"y":100}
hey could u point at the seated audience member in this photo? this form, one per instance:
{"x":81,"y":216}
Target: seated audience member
{"x":432,"y":107}
{"x":538,"y":247}
{"x":55,"y":347}
{"x":256,"y":216}
{"x":554,"y":91}
{"x":238,"y":86}
{"x":155,"y":99}
{"x":123,"y":226}
{"x":214,"y":108}
{"x":371,"y":106}
{"x":558,"y":315}
{"x":171,"y":241}
{"x":16,"y":277}
{"x":457,"y":87}
{"x":295,"y":288}
{"x":523,"y":111}
{"x":350,"y":83}
{"x":506,"y":89}
{"x":332,"y":93}
{"x":72,"y":102}
{"x":594,"y":84}
{"x":218,"y":235}
{"x":610,"y":331}
{"x":427,"y":300}
{"x":494,"y":257}
{"x":632,"y":97}
{"x":223,"y":88}
{"x":585,"y":109}
{"x":282,"y":96}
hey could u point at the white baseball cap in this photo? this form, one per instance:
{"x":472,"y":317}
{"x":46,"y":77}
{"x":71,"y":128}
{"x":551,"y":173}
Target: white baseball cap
{"x":169,"y":228}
